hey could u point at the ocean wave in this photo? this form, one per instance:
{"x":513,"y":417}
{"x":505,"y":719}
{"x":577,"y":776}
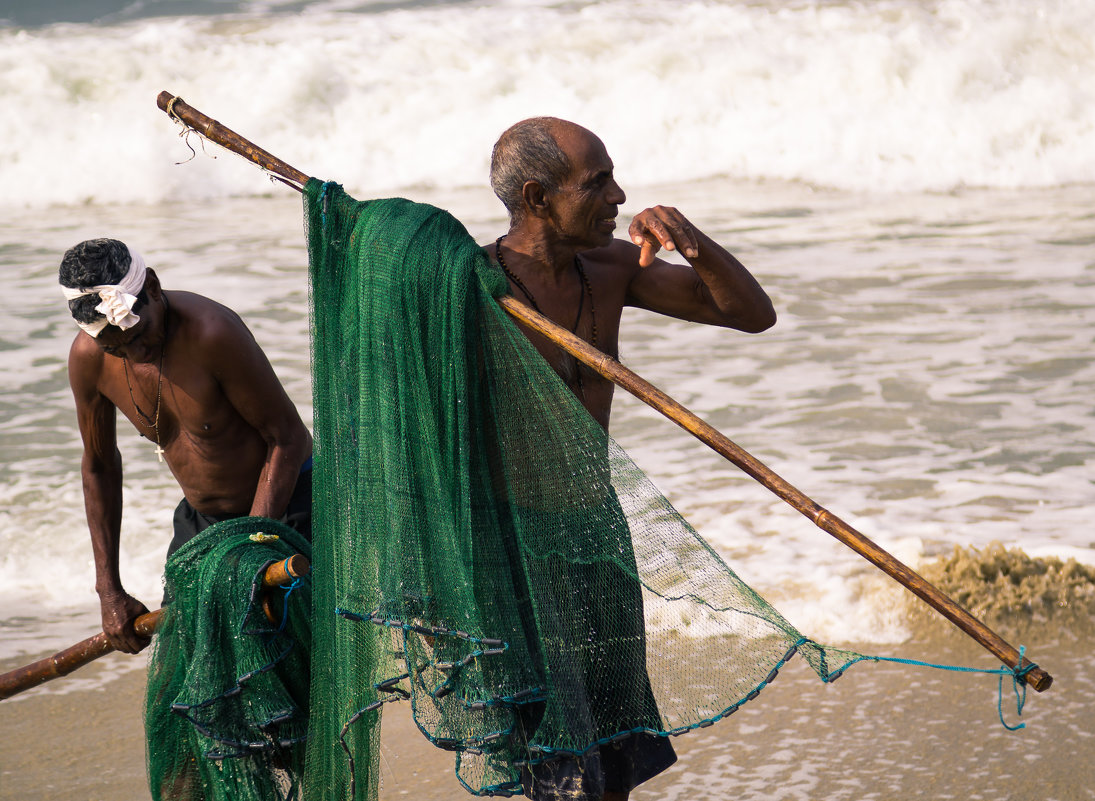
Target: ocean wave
{"x":1030,"y":597}
{"x":886,"y":96}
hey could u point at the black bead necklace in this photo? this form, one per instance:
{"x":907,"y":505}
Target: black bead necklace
{"x":581,"y":302}
{"x":581,"y":298}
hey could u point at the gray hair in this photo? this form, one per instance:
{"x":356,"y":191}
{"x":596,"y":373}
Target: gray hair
{"x":526,"y":152}
{"x":92,"y":263}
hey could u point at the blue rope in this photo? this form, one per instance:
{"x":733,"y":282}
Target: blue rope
{"x":828,"y":677}
{"x":323,"y":202}
{"x":285,"y":599}
{"x":1020,"y":697}
{"x":1002,"y":671}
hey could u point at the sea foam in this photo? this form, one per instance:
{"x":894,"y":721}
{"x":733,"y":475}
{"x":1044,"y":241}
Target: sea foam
{"x":883,"y":96}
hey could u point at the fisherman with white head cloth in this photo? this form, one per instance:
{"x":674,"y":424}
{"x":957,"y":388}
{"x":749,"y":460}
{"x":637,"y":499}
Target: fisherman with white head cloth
{"x":189,"y":376}
{"x":116,"y":300}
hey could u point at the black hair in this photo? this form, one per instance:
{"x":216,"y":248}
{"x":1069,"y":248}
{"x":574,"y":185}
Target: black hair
{"x":92,"y":263}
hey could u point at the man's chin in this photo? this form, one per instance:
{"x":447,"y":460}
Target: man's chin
{"x":604,"y":237}
{"x":601,"y":237}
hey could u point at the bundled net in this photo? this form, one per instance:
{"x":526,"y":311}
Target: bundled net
{"x":226,"y":708}
{"x":481,"y":546}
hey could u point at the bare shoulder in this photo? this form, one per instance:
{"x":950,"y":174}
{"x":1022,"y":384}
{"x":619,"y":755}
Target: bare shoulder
{"x":85,"y":360}
{"x":206,"y":323}
{"x":618,"y":262}
{"x":84,"y":348}
{"x":215,"y":338}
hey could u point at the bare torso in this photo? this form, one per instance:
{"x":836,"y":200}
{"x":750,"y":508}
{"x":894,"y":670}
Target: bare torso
{"x":609,"y":277}
{"x":214,"y":453}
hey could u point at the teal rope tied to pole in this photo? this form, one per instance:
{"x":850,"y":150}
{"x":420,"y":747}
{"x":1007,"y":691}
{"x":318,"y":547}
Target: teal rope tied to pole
{"x":1015,"y":673}
{"x":288,"y":589}
{"x":1020,"y":695}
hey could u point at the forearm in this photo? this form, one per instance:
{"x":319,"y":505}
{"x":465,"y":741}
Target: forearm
{"x":102,"y":484}
{"x":284,"y":457}
{"x":103,"y":504}
{"x":717,"y":290}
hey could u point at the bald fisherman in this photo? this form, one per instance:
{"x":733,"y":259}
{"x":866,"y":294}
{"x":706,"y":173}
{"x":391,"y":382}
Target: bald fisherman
{"x":561,"y":256}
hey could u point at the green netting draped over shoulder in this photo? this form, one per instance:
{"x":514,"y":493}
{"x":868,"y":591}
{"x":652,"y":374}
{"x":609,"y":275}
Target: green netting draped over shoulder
{"x":482,"y":549}
{"x":226,"y":709}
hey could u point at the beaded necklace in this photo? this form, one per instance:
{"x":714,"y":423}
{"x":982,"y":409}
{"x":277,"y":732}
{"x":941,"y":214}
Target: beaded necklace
{"x":581,"y":274}
{"x":581,"y":300}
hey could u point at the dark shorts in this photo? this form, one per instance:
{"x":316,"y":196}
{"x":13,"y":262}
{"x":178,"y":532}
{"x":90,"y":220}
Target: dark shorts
{"x":188,"y":522}
{"x":618,"y":767}
{"x":600,"y":690}
{"x":583,"y":627}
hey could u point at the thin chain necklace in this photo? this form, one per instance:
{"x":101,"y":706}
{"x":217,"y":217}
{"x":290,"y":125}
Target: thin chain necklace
{"x":151,"y":421}
{"x":581,"y":302}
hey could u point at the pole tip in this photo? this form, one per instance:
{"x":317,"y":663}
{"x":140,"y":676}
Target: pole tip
{"x":1039,"y":680}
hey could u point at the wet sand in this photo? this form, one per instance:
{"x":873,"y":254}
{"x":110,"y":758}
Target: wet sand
{"x":881,"y":732}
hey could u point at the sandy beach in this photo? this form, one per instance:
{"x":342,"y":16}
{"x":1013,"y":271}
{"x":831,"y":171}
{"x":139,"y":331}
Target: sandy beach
{"x":884,"y":731}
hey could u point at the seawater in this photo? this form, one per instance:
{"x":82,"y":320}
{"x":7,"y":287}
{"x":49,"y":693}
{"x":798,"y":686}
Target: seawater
{"x":912,"y":181}
{"x":929,"y":381}
{"x":891,"y":95}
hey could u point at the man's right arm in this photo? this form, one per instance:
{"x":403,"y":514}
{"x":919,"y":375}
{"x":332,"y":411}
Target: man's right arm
{"x":101,"y":474}
{"x":713,"y":288}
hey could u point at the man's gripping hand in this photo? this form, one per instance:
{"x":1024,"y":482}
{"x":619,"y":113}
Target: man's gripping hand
{"x":662,"y":227}
{"x":119,"y":610}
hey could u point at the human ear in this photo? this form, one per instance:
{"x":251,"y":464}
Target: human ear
{"x":152,"y":285}
{"x":535,"y":198}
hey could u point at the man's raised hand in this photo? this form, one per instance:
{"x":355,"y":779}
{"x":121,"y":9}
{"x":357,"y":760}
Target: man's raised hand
{"x":662,"y":227}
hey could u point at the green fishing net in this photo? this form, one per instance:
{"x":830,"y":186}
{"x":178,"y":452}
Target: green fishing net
{"x":226,"y":706}
{"x":482,"y":549}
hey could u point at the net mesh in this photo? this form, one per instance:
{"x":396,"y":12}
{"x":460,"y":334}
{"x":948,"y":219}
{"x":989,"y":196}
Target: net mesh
{"x":481,"y":546}
{"x":226,"y":707}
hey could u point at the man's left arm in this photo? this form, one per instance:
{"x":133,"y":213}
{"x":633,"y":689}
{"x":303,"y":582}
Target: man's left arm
{"x":253,"y":389}
{"x":714,"y":288}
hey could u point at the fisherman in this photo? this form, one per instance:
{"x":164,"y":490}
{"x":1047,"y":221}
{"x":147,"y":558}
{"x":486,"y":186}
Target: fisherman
{"x":189,"y":375}
{"x":556,"y":180}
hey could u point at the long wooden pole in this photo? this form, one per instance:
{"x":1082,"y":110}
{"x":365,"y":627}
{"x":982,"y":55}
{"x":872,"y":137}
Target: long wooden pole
{"x":76,"y":656}
{"x":821,"y":517}
{"x":645,"y":391}
{"x":179,"y":110}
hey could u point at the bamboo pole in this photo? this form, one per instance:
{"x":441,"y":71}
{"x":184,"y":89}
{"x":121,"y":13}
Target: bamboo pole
{"x":615,"y":372}
{"x":76,"y":656}
{"x":825,"y":520}
{"x":178,"y":109}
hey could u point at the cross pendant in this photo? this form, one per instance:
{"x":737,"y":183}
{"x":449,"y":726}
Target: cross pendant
{"x":159,"y":452}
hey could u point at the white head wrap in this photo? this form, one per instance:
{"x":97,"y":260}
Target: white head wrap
{"x":117,"y":299}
